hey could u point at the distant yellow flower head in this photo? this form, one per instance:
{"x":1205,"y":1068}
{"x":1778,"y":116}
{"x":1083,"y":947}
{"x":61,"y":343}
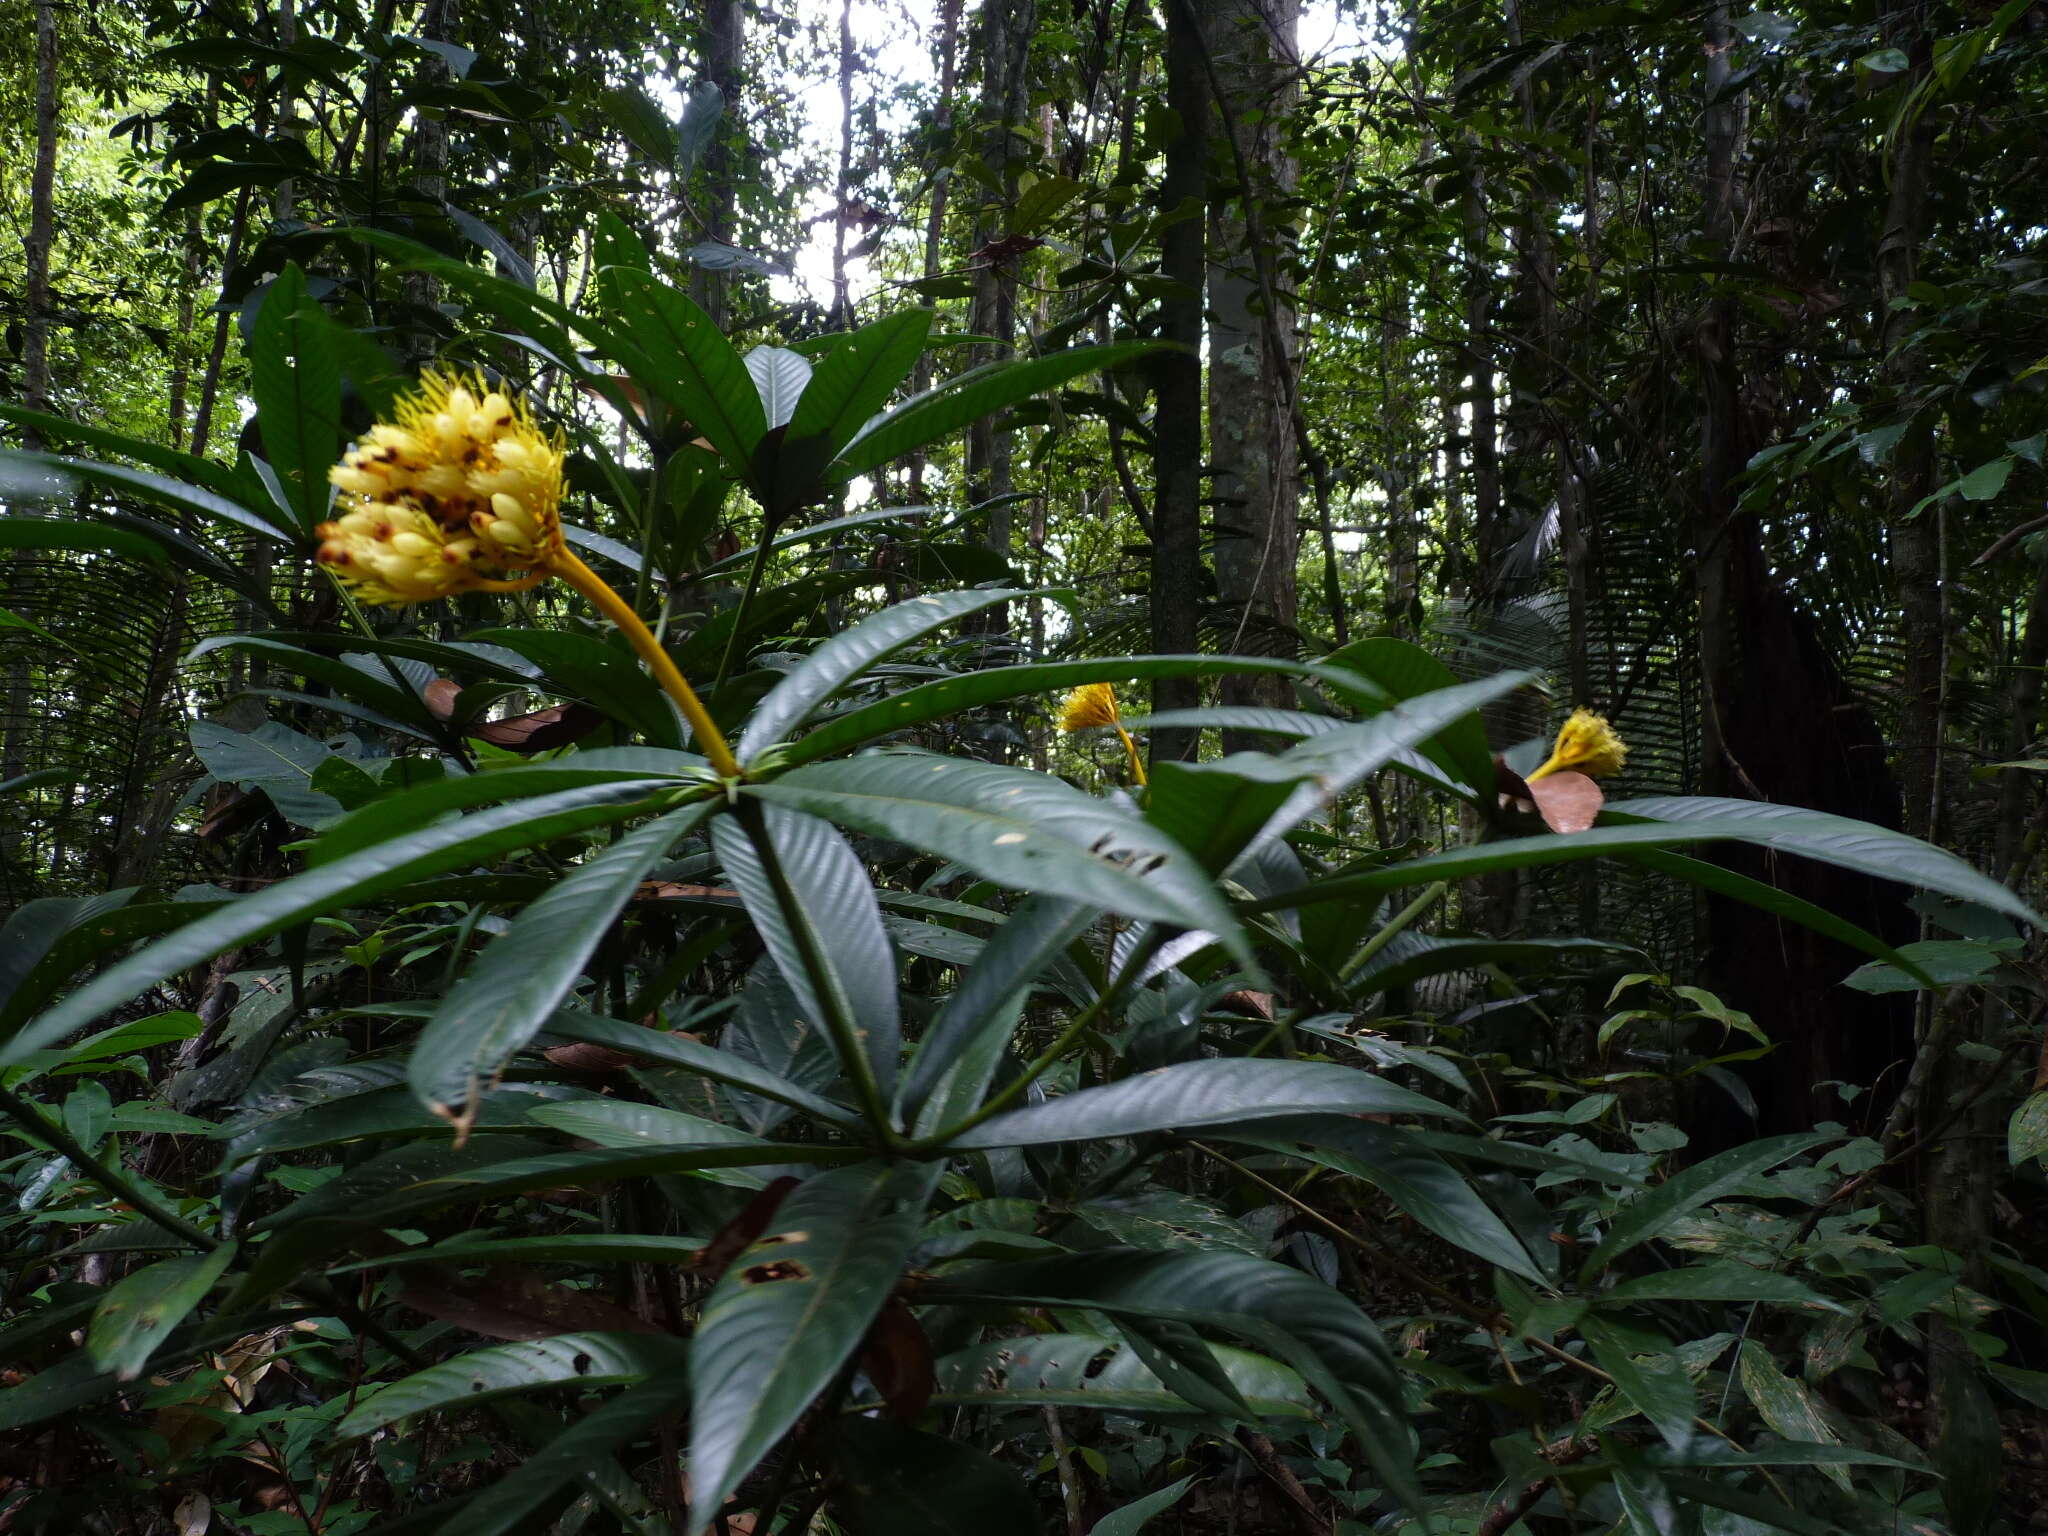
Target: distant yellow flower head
{"x":1090,"y":705}
{"x":458,"y":494}
{"x":1587,"y":745}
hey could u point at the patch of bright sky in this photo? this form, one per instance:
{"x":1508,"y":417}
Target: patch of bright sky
{"x":896,"y":38}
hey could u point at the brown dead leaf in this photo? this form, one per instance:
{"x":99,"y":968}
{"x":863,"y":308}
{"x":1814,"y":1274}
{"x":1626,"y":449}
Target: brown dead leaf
{"x":738,"y":1234}
{"x":670,"y":890}
{"x":897,"y":1357}
{"x":1251,"y":1005}
{"x":513,"y":1302}
{"x":580,"y":1056}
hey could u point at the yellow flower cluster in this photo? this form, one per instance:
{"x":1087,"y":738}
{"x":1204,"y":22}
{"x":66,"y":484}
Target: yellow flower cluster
{"x":1094,"y":704}
{"x":1090,"y":705}
{"x":1587,"y":745}
{"x":460,"y":493}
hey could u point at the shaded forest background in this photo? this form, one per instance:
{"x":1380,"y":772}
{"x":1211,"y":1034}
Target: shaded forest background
{"x":1691,"y":357}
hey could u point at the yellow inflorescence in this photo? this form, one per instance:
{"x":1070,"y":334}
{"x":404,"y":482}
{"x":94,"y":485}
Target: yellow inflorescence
{"x":1587,"y":745}
{"x":460,"y":493}
{"x":1090,"y":705}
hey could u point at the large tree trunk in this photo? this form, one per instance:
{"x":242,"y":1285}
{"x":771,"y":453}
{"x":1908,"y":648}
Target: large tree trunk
{"x":1177,"y":587}
{"x":1253,"y":349}
{"x":1761,"y":665}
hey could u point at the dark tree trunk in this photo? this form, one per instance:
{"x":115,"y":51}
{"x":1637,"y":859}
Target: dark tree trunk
{"x":1177,"y":585}
{"x":724,"y":34}
{"x":1762,"y":665}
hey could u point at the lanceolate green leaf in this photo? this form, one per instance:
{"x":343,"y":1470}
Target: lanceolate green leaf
{"x":580,"y":1360}
{"x":850,"y":653}
{"x":296,"y":380}
{"x":1068,"y":1370}
{"x":1196,"y":1095}
{"x":1418,"y":1180}
{"x":401,"y":814}
{"x":960,"y":1052}
{"x":691,"y":365}
{"x":980,"y":392}
{"x":213,"y":475}
{"x":525,"y":973}
{"x":1288,"y":1314}
{"x":811,"y":899}
{"x":1856,"y":845}
{"x":412,"y":1181}
{"x":267,"y":523}
{"x":428,"y":851}
{"x":1645,"y":1218}
{"x":1833,"y":839}
{"x":788,"y":1312}
{"x":708,"y":1061}
{"x":856,"y":377}
{"x":1022,"y":829}
{"x":535,"y":1485}
{"x":139,"y":1314}
{"x":65,"y":533}
{"x":932,"y":701}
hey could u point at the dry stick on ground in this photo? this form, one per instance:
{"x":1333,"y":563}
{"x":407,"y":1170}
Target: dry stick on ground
{"x":1266,"y":1456}
{"x":1504,"y":1515}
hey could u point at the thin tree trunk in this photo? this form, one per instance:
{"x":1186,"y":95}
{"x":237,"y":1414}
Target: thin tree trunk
{"x":1482,"y":429}
{"x":942,"y":184}
{"x":429,"y":178}
{"x":42,"y":223}
{"x":1253,"y":361}
{"x":724,"y":35}
{"x":1720,"y":455}
{"x":1007,"y":27}
{"x":1177,"y":382}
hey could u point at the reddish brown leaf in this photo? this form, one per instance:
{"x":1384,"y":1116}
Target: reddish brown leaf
{"x":512,"y":1302}
{"x":897,"y":1357}
{"x":736,"y":1235}
{"x":1567,"y":801}
{"x":441,"y":695}
{"x":541,"y":731}
{"x":580,"y":1056}
{"x":669,"y":890}
{"x":1250,"y":1005}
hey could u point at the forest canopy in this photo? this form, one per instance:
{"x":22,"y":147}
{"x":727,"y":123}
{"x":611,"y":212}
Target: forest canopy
{"x":1203,"y":765}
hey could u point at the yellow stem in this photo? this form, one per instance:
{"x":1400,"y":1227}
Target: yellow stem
{"x":710,"y":740}
{"x":1137,"y":764}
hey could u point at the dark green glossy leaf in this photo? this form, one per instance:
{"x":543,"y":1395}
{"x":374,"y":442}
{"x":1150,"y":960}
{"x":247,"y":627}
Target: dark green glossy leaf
{"x":1651,"y":1214}
{"x":963,"y":1047}
{"x":1026,"y":830}
{"x":137,"y":1315}
{"x":524,"y":974}
{"x":787,"y":1313}
{"x":296,"y":380}
{"x":430,"y":850}
{"x":1196,"y":1095}
{"x":809,"y":895}
{"x":849,"y":654}
{"x":966,"y":398}
{"x":580,"y":1360}
{"x":527,"y":1495}
{"x":856,"y":377}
